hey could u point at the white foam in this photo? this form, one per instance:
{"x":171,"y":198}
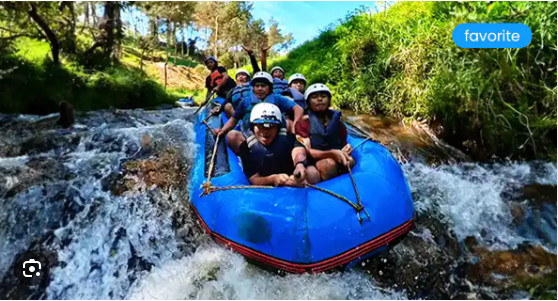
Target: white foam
{"x":469,"y":196}
{"x":215,"y":273}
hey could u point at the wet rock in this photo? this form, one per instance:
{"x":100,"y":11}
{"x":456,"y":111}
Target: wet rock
{"x":61,"y":142}
{"x":66,"y":112}
{"x":422,"y":263}
{"x":37,"y":170}
{"x":522,"y":262}
{"x":164,"y":171}
{"x":518,"y":268}
{"x":517,"y":212}
{"x":540,"y":194}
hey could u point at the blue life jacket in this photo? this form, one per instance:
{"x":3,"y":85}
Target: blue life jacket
{"x":325,"y":138}
{"x":239,"y":93}
{"x":274,"y":158}
{"x":296,"y":96}
{"x":279,"y":86}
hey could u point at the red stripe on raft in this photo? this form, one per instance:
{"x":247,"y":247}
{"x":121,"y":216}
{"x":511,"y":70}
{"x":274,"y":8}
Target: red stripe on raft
{"x":317,"y":267}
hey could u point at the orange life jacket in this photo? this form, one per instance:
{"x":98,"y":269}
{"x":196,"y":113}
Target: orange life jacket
{"x":216,"y":78}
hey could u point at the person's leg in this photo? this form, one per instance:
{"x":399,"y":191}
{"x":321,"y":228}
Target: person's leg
{"x":235,"y":139}
{"x":327,"y":168}
{"x":312,"y":175}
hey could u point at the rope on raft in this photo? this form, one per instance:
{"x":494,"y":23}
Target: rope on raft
{"x":208,"y":188}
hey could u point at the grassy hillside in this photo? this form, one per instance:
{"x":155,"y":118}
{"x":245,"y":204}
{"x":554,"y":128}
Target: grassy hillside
{"x":30,"y":83}
{"x":402,"y":62}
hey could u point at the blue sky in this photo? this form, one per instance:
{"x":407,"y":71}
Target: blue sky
{"x":305,"y":19}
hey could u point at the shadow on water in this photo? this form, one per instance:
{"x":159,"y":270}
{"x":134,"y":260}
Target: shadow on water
{"x":106,"y":203}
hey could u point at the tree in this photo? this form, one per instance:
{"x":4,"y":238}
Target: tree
{"x":44,"y":20}
{"x":173,"y":14}
{"x":257,"y":37}
{"x":211,"y":15}
{"x":112,"y":30}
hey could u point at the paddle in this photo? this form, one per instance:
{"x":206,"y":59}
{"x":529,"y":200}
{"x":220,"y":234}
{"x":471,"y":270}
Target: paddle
{"x":209,"y":96}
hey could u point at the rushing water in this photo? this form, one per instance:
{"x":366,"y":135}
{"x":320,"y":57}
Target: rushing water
{"x":107,"y":204}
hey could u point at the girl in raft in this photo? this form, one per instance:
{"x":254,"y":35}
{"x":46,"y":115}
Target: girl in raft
{"x":323,"y":137}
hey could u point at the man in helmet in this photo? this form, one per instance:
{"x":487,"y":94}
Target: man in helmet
{"x":323,"y":137}
{"x":297,"y":82}
{"x":267,"y":154}
{"x":279,"y":83}
{"x":261,"y":92}
{"x":218,"y":80}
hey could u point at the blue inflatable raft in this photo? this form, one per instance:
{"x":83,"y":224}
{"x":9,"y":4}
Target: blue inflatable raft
{"x":300,"y":230}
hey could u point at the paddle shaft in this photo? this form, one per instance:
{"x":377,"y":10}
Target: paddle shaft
{"x":209,"y":96}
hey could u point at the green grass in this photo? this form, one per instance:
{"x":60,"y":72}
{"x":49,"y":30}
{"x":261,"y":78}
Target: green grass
{"x":402,"y":62}
{"x":35,"y":85}
{"x":33,"y":51}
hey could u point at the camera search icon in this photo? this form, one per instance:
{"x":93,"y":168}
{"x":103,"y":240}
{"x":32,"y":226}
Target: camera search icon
{"x":31,"y":268}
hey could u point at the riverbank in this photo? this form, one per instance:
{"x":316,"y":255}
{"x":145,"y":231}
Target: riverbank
{"x":402,"y":63}
{"x":31,"y":84}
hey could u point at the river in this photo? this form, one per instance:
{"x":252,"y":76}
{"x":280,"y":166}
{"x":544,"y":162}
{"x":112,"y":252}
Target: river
{"x":107,"y":204}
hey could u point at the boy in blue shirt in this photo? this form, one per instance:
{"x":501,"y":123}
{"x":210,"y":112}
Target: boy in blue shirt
{"x":262,"y":87}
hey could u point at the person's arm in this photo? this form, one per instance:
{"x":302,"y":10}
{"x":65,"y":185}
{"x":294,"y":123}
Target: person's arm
{"x":224,"y":81}
{"x":335,"y":154}
{"x":298,"y":113}
{"x":286,"y":105}
{"x":299,"y":155}
{"x":347,"y":148}
{"x":231,"y":123}
{"x":253,"y":60}
{"x":275,"y":180}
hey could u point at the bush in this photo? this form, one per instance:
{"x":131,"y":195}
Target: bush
{"x":402,"y":62}
{"x":30,"y":83}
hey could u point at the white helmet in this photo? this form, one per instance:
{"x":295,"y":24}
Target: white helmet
{"x":276,"y":68}
{"x":265,"y":113}
{"x":295,"y":77}
{"x":316,"y":88}
{"x":262,"y":77}
{"x":239,"y":71}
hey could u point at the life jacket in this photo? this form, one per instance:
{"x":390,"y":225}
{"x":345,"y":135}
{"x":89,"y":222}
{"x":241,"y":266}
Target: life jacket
{"x":279,"y":86}
{"x":296,"y":96}
{"x":254,"y":101}
{"x":239,"y":93}
{"x":274,"y":158}
{"x":216,"y":78}
{"x":325,"y":138}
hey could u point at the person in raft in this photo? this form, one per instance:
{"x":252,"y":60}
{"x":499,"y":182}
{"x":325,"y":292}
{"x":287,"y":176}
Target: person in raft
{"x":279,"y":83}
{"x":218,"y":80}
{"x":266,"y":154}
{"x":243,"y":88}
{"x":262,"y":85}
{"x":297,"y":83}
{"x":323,"y":137}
